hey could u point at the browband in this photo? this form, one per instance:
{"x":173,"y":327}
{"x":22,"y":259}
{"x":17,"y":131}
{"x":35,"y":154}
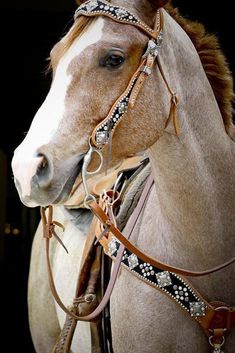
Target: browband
{"x":103,"y":131}
{"x":119,"y":14}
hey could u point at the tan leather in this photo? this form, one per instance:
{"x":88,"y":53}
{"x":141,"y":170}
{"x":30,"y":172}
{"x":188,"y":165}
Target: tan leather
{"x":124,"y":94}
{"x":98,"y":183}
{"x":47,"y":225}
{"x":219,"y":317}
{"x":83,"y":304}
{"x":148,"y":63}
{"x":104,"y":219}
{"x":153,"y":33}
{"x":174,"y":101}
{"x":138,"y":77}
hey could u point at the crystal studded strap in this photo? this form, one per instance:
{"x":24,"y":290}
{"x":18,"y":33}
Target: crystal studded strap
{"x":119,"y":14}
{"x":103,"y":131}
{"x":103,"y":218}
{"x":47,"y":221}
{"x":170,"y":283}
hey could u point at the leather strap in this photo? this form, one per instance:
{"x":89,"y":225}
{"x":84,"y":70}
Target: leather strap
{"x":219,"y":317}
{"x":116,"y":13}
{"x":104,"y":130}
{"x":48,"y":225}
{"x":108,"y":118}
{"x":104,"y":219}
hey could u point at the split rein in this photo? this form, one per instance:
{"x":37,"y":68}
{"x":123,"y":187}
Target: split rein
{"x":49,"y":231}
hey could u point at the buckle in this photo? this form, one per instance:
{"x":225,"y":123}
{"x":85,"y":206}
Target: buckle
{"x":221,"y":318}
{"x":146,"y":70}
{"x":217,"y":342}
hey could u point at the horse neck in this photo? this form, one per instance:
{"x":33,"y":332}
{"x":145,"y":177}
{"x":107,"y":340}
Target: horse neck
{"x":194,"y":174}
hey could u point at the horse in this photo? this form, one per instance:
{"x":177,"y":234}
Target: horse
{"x":187,"y":220}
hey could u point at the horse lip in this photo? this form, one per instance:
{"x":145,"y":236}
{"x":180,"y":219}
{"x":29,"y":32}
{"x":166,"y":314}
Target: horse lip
{"x":68,"y":186}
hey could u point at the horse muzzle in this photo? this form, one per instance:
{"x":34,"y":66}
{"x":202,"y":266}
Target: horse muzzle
{"x":40,"y":181}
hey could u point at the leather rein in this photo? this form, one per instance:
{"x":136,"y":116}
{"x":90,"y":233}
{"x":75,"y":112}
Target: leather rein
{"x":215,"y":318}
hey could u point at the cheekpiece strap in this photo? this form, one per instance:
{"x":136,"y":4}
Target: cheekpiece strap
{"x":119,"y":14}
{"x":103,"y":131}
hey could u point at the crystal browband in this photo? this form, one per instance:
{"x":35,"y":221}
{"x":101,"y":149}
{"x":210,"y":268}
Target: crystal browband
{"x":105,"y":129}
{"x":119,"y":14}
{"x":168,"y":282}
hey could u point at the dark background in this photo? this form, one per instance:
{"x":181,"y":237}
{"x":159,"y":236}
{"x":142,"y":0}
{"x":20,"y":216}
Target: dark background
{"x":28,"y":31}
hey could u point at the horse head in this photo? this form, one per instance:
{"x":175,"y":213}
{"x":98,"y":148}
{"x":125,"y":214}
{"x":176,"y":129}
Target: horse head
{"x":92,"y":65}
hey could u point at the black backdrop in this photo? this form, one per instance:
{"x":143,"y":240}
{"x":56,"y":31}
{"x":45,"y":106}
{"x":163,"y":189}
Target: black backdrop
{"x":28,"y":31}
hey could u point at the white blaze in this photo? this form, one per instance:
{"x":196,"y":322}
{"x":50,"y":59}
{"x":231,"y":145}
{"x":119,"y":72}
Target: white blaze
{"x":50,"y":114}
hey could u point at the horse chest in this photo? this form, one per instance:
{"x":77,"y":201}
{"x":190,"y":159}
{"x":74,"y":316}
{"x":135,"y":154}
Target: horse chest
{"x":154,"y":322}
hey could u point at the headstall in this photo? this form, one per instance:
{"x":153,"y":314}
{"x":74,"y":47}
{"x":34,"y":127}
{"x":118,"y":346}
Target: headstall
{"x":215,"y":318}
{"x":103,"y":131}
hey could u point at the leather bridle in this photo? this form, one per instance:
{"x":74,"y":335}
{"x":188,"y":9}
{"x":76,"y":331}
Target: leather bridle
{"x":215,"y":318}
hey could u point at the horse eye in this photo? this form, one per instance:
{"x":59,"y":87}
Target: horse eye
{"x":113,"y":61}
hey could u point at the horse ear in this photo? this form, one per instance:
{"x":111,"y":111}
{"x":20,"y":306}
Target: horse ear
{"x":79,"y":2}
{"x":157,"y":4}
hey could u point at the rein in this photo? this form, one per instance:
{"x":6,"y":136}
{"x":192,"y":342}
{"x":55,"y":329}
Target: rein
{"x":215,"y":318}
{"x":209,"y":315}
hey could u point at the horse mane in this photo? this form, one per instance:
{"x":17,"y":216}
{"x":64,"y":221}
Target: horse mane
{"x":214,"y":63}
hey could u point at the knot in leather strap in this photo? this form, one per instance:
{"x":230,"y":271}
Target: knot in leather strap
{"x":49,"y":226}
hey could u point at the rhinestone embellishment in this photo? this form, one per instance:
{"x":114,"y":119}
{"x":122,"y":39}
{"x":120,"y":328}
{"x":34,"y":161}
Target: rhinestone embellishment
{"x":121,"y":13}
{"x":91,"y":5}
{"x":133,"y":261}
{"x":197,"y":309}
{"x":181,"y":293}
{"x":152,"y":48}
{"x":104,"y":7}
{"x":101,"y":137}
{"x":147,"y":270}
{"x":122,"y":107}
{"x":163,"y":279}
{"x":113,"y":246}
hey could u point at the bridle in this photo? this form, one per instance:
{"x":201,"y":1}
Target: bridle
{"x":215,"y":318}
{"x":103,"y":130}
{"x":106,"y":128}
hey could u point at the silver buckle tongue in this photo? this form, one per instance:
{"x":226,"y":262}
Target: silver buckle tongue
{"x":217,"y":346}
{"x":154,"y":46}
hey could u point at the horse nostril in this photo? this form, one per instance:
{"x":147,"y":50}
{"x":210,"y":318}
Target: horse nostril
{"x":44,"y":171}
